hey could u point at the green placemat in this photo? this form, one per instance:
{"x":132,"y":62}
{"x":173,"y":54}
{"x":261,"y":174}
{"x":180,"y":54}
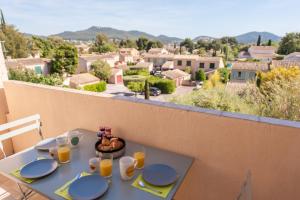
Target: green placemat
{"x":16,"y":173}
{"x":164,"y":190}
{"x":63,"y":190}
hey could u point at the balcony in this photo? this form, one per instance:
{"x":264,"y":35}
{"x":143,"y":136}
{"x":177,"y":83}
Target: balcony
{"x":225,"y":145}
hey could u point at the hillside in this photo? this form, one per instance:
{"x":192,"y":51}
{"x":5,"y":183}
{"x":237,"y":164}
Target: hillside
{"x":251,"y":37}
{"x":206,"y":38}
{"x":90,"y":34}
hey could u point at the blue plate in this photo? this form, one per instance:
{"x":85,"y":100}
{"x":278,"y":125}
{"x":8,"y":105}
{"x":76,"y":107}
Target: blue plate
{"x":39,"y":168}
{"x":88,"y":187}
{"x":159,"y":175}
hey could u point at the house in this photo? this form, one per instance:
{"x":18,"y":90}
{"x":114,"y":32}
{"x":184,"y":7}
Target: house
{"x":143,"y":66}
{"x":158,"y":59}
{"x":116,"y":76}
{"x":285,"y":63}
{"x":80,"y":80}
{"x":195,"y":62}
{"x":246,"y":71}
{"x":183,"y":61}
{"x":169,"y":65}
{"x":293,"y":57}
{"x":129,"y":55}
{"x":177,"y":75}
{"x":85,"y":61}
{"x":262,"y":53}
{"x":39,"y":65}
{"x":158,"y":51}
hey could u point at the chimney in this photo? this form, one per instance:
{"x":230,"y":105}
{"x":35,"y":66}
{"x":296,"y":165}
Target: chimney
{"x":3,"y":69}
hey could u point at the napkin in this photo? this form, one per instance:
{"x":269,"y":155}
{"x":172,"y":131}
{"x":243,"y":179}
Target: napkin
{"x":165,"y":190}
{"x":16,"y":173}
{"x":63,"y":191}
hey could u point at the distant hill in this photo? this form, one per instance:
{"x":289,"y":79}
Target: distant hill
{"x":90,"y":34}
{"x":251,"y":37}
{"x":206,"y":38}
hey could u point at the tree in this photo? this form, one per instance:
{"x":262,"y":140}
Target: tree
{"x":2,"y":20}
{"x":270,"y":43}
{"x":16,"y":44}
{"x":101,"y":69}
{"x":258,"y":40}
{"x":289,"y":43}
{"x":232,"y":41}
{"x":142,"y":43}
{"x":127,"y":44}
{"x":136,"y":87}
{"x":188,"y":44}
{"x":200,"y":75}
{"x":147,"y":89}
{"x":154,"y":44}
{"x":216,"y":45}
{"x":65,"y":59}
{"x":102,"y":44}
{"x":224,"y":73}
{"x":213,"y":81}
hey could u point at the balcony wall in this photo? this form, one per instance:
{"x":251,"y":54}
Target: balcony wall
{"x":224,"y":145}
{"x":3,"y":112}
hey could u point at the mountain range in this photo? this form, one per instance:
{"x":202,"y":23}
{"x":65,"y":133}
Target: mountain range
{"x":90,"y":34}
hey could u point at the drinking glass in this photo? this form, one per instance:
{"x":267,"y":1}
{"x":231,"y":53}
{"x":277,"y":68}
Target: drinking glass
{"x":140,"y":155}
{"x":106,"y":165}
{"x":63,"y":149}
{"x":127,"y":165}
{"x":53,"y":152}
{"x":94,"y":164}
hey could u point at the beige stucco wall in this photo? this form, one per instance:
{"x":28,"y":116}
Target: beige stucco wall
{"x":3,"y":119}
{"x":224,"y":148}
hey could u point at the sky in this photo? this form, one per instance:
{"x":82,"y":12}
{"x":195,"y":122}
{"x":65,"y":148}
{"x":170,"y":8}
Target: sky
{"x":178,"y":18}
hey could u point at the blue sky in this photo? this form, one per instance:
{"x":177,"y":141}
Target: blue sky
{"x":181,"y":18}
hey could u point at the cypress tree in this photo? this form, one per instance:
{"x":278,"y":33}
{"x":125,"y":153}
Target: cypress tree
{"x":270,"y":43}
{"x":147,"y":92}
{"x":259,"y":40}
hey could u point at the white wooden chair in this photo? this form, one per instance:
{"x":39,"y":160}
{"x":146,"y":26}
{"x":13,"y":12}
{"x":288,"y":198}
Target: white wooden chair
{"x":27,"y":124}
{"x":33,"y":123}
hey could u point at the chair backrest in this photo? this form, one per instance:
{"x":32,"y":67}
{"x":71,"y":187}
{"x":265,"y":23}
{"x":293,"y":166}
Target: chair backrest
{"x":31,"y":123}
{"x":246,"y":189}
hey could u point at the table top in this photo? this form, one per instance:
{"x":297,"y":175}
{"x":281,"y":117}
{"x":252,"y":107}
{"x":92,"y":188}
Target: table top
{"x":118,"y":189}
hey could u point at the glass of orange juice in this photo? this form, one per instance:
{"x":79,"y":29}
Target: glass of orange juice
{"x":63,"y":149}
{"x":106,"y":165}
{"x":140,"y":155}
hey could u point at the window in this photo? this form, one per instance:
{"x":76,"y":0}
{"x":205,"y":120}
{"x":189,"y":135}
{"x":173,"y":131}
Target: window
{"x":239,"y":74}
{"x":212,"y":65}
{"x":38,"y":69}
{"x":189,"y":63}
{"x":201,"y":65}
{"x":179,"y":62}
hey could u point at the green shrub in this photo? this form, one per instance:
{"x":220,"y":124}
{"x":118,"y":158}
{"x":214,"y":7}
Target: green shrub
{"x":200,"y":75}
{"x":224,"y":73}
{"x":141,"y":72}
{"x":28,"y":75}
{"x":166,"y":86}
{"x":133,"y":78}
{"x":136,"y":87}
{"x":97,"y":87}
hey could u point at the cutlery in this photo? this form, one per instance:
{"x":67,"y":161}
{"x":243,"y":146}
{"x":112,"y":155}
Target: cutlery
{"x":142,"y":184}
